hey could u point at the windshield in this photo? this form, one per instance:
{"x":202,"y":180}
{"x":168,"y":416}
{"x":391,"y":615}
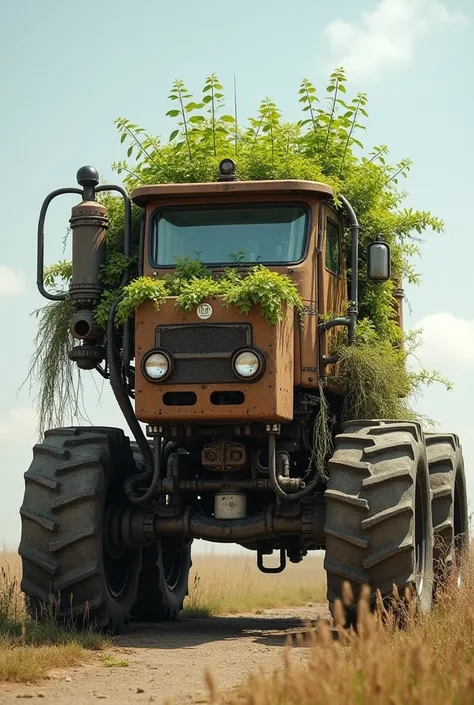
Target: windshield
{"x":269,"y":234}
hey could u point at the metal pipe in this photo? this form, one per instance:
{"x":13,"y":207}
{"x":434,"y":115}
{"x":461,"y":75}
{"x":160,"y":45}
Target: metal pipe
{"x":254,"y":528}
{"x":127,"y":230}
{"x":276,"y":481}
{"x":40,"y":243}
{"x":171,"y":485}
{"x":331,"y":359}
{"x":120,"y":392}
{"x":135,"y":527}
{"x":131,"y":483}
{"x":354,"y":302}
{"x":141,"y":247}
{"x":340,"y":321}
{"x":127,"y":250}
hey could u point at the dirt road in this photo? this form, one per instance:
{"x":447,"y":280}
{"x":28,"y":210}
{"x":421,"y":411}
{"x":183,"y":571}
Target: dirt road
{"x":168,"y":660}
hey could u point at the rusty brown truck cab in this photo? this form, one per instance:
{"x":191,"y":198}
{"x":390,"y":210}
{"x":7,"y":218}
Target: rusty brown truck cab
{"x":283,"y":225}
{"x":236,"y":448}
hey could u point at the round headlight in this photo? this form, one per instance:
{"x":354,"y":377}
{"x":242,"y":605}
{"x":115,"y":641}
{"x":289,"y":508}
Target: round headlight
{"x":247,"y":364}
{"x":157,"y":366}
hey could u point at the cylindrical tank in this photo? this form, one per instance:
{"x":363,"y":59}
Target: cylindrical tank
{"x":89,"y":222}
{"x":230,"y":504}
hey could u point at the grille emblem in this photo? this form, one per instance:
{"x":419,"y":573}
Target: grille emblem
{"x":204,"y":311}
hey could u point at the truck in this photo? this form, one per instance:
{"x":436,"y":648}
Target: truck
{"x":230,"y":407}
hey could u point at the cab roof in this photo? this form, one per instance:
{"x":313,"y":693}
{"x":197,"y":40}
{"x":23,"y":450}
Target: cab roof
{"x":143,"y":194}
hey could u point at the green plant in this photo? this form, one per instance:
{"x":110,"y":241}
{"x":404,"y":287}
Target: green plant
{"x":374,"y":376}
{"x":192,"y":283}
{"x":138,"y":291}
{"x":270,"y":290}
{"x":192,"y":292}
{"x":323,"y":146}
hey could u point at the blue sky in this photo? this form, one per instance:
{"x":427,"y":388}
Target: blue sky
{"x":68,"y":69}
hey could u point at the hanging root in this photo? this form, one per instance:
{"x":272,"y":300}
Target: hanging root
{"x":51,"y":370}
{"x":322,"y":444}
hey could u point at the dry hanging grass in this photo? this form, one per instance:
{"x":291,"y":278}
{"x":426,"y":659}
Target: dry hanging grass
{"x":51,"y":370}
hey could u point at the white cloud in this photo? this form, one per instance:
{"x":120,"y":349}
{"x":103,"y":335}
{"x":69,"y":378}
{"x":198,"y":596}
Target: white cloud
{"x":12,"y":281}
{"x":447,"y":339}
{"x":386,"y":36}
{"x":18,"y":424}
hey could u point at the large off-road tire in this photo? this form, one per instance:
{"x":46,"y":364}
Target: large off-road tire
{"x":164,"y":576}
{"x":449,"y":506}
{"x":378,"y":515}
{"x":69,"y":566}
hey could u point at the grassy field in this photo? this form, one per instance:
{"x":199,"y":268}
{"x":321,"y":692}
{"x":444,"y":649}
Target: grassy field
{"x":218,"y":584}
{"x":28,"y":649}
{"x":231,"y":584}
{"x":431,"y":662}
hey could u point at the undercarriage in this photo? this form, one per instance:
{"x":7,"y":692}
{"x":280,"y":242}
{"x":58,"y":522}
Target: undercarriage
{"x":255,"y":485}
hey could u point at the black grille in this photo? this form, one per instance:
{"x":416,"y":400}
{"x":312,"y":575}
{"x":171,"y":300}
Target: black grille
{"x":202,"y":352}
{"x":202,"y":338}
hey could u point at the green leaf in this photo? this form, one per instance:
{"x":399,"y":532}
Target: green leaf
{"x":227,"y":118}
{"x":173,"y":135}
{"x":172,"y":113}
{"x":123,"y":138}
{"x":129,"y":151}
{"x":197,"y":118}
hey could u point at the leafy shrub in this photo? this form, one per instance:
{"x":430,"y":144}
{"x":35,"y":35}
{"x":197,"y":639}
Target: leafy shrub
{"x":267,"y":289}
{"x":138,"y":291}
{"x":261,"y":287}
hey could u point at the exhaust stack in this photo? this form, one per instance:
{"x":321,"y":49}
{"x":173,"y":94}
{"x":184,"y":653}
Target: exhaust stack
{"x":89,"y":222}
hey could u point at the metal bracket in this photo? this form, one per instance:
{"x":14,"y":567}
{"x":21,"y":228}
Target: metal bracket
{"x":310,"y":311}
{"x":279,"y":569}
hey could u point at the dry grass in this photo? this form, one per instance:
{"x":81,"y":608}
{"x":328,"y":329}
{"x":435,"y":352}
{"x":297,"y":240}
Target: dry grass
{"x":431,"y":662}
{"x":219,"y":584}
{"x":28,"y":649}
{"x":229,"y":584}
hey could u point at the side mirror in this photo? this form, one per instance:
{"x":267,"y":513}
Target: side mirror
{"x":379,"y":267}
